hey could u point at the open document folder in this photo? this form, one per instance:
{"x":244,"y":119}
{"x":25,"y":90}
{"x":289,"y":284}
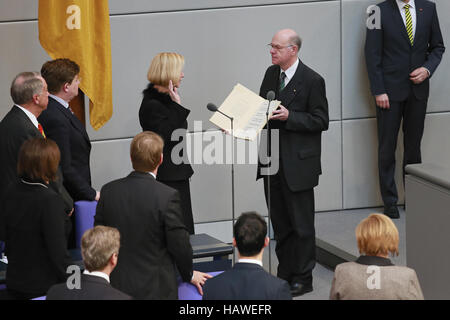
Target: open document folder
{"x":248,"y":111}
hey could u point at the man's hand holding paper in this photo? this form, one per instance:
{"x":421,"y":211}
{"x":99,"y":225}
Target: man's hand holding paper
{"x":248,"y":111}
{"x":281,"y":114}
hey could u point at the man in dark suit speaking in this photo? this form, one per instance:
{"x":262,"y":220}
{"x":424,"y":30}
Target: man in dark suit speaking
{"x":300,"y":119}
{"x":248,"y":280}
{"x":403,"y":49}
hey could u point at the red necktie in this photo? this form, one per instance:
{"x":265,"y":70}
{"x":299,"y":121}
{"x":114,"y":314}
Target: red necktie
{"x":41,"y":130}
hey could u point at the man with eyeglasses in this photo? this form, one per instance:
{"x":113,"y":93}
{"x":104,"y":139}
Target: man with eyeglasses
{"x":300,"y":119}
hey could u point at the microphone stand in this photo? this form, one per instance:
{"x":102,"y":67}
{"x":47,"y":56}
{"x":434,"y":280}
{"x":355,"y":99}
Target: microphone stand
{"x":268,"y":187}
{"x":232,"y":173}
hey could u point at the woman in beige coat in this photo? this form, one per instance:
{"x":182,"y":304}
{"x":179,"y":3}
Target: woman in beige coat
{"x":373,"y":276}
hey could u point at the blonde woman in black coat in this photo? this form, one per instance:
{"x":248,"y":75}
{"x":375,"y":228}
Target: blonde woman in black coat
{"x":161,"y":112}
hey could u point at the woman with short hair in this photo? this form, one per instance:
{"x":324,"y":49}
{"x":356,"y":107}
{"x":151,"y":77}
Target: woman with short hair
{"x":33,"y":223}
{"x":373,"y":276}
{"x":162,"y":113}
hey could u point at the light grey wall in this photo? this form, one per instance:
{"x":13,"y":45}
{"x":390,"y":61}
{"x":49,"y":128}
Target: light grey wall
{"x":225,"y":43}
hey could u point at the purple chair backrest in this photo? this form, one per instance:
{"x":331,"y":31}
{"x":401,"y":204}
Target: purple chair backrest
{"x":84,"y":218}
{"x":187,"y":291}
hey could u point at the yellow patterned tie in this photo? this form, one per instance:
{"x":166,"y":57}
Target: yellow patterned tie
{"x":409,"y":25}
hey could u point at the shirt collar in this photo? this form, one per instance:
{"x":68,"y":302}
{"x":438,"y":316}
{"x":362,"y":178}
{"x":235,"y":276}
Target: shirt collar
{"x":61,"y":101}
{"x":291,"y":70}
{"x":374,"y":260}
{"x":152,"y":174}
{"x":254,"y":261}
{"x":97,"y":274}
{"x":401,"y":4}
{"x":29,"y":115}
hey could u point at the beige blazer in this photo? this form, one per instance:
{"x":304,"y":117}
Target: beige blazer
{"x":356,"y":281}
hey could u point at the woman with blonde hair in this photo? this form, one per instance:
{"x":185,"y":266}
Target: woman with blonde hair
{"x":161,"y":112}
{"x":373,"y":276}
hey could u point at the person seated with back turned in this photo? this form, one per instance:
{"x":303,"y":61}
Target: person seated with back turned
{"x":247,"y":280}
{"x":33,"y":223}
{"x":100,"y":250}
{"x":148,"y":215}
{"x":373,"y":276}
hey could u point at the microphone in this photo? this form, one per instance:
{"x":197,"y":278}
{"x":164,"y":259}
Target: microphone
{"x":270,"y":96}
{"x":211,"y":107}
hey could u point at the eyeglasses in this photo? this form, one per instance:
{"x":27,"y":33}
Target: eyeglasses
{"x":278,"y":47}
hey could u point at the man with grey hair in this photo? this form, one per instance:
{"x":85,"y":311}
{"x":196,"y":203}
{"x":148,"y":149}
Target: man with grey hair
{"x":30,"y":96}
{"x":100,"y":251}
{"x":300,"y":120}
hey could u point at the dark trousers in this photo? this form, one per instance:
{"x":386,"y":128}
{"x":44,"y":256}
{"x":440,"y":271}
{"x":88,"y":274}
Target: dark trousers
{"x":292,"y":216}
{"x":185,"y":194}
{"x":412,"y":111}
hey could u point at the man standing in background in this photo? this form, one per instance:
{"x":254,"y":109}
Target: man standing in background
{"x":401,"y":56}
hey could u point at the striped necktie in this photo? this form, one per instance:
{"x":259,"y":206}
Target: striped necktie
{"x":409,"y":25}
{"x":41,"y":130}
{"x":282,"y":78}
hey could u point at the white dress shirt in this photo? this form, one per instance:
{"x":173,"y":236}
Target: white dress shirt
{"x":254,"y":261}
{"x":97,"y":274}
{"x":412,"y":10}
{"x":61,"y":101}
{"x":29,"y":115}
{"x":289,"y":72}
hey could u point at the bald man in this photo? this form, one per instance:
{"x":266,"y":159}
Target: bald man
{"x":300,"y":119}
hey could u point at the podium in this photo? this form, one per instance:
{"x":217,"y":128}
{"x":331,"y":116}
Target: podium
{"x":427,"y":192}
{"x":209,"y":254}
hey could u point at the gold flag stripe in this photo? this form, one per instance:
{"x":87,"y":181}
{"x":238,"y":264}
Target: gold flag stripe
{"x":80,"y":31}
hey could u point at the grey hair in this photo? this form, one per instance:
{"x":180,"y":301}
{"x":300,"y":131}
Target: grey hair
{"x":296,"y":40}
{"x":24,"y":86}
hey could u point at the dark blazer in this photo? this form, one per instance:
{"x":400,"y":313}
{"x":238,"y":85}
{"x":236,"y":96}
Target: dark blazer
{"x":15,"y":129}
{"x":70,"y":134}
{"x":390,"y":58}
{"x":91,"y":288}
{"x":158,"y":113}
{"x":300,"y":135}
{"x":153,"y":237}
{"x":246,"y":281}
{"x":33,"y":228}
